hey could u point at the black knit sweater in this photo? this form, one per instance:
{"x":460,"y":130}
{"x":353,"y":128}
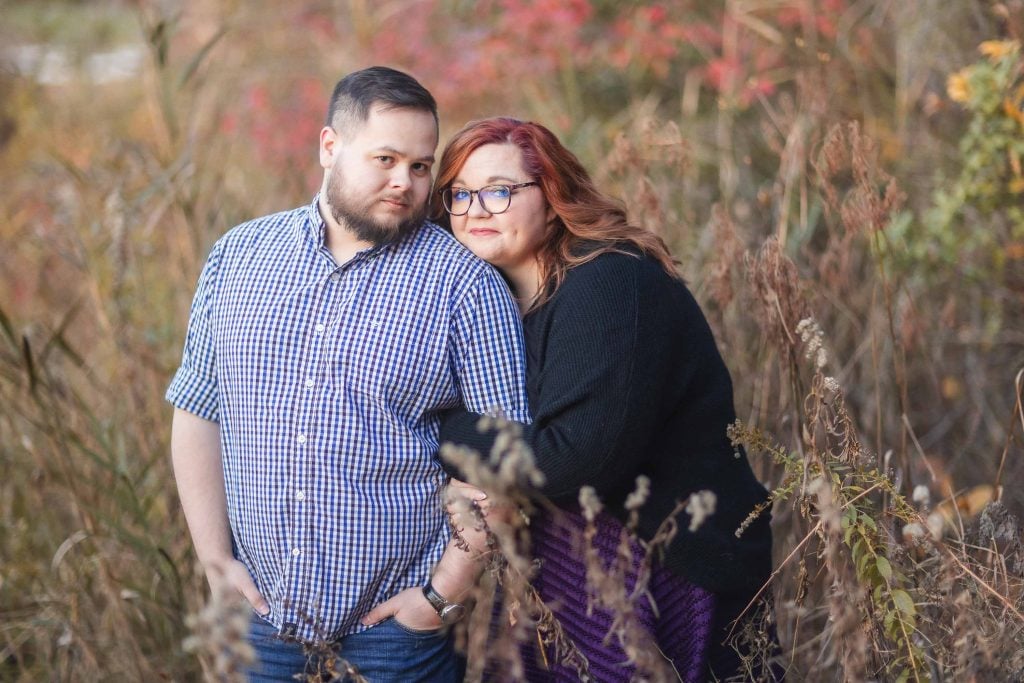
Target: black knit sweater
{"x":624,"y":378}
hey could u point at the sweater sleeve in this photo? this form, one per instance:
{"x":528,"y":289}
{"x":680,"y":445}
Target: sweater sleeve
{"x":587,"y":382}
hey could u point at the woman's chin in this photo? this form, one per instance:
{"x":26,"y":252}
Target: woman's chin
{"x":482,"y":252}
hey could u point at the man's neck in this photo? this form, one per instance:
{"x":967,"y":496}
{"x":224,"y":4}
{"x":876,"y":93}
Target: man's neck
{"x":339,"y":240}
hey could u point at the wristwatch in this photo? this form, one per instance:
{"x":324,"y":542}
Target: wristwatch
{"x":450,"y":612}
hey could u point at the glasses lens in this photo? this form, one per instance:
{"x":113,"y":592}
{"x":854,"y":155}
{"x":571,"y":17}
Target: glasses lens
{"x":496,"y":198}
{"x":457,"y":200}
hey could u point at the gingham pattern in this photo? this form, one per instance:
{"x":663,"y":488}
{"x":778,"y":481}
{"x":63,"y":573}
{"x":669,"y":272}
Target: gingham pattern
{"x":327,"y":382}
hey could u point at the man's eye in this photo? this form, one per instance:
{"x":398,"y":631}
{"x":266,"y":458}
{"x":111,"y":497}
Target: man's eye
{"x":421,"y":168}
{"x":384,"y":159}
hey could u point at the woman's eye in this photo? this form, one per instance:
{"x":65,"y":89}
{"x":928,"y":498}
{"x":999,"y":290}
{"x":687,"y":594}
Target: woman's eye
{"x":498,"y":192}
{"x":460,"y":194}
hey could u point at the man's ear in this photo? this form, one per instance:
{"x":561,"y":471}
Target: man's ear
{"x":330,"y":145}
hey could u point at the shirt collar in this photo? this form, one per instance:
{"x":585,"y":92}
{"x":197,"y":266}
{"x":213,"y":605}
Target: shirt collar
{"x":314,"y":228}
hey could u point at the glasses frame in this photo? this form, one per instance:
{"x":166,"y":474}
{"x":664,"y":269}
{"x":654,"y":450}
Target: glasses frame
{"x":475,"y":193}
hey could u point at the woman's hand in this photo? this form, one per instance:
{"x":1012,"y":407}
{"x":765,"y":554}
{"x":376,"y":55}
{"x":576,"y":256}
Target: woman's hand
{"x":460,"y":498}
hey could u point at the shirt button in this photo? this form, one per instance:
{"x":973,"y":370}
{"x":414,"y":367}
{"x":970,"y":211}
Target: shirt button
{"x":310,"y":383}
{"x":319,"y":328}
{"x":296,"y":552}
{"x":301,"y":495}
{"x":301,"y":438}
{"x":335,"y":276}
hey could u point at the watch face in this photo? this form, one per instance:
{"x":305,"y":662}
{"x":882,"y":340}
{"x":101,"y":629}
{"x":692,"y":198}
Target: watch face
{"x":451,"y":614}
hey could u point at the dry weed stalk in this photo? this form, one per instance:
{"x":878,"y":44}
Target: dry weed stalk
{"x":728,"y":251}
{"x":887,"y":613}
{"x":618,"y":586}
{"x":779,"y":290}
{"x":639,"y":159}
{"x":505,"y":588}
{"x":219,"y":636}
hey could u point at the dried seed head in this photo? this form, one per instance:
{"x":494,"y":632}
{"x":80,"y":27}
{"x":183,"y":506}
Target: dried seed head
{"x":922,"y":496}
{"x":640,"y":494}
{"x":700,"y":506}
{"x":590,"y":503}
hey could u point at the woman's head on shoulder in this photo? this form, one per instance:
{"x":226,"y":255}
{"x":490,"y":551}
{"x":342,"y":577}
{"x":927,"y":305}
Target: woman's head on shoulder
{"x":541,"y":213}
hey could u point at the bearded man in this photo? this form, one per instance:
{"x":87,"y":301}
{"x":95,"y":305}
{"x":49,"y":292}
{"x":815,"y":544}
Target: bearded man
{"x":322,"y":345}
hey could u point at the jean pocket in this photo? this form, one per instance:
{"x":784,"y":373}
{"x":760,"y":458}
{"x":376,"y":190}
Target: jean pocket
{"x":426,"y":633}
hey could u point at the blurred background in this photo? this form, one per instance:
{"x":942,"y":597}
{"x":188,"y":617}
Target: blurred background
{"x":861,"y":158}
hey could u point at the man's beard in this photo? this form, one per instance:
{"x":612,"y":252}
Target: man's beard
{"x":357,"y":219}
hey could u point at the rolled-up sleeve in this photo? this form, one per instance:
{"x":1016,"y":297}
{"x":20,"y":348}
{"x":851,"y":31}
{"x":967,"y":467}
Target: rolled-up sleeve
{"x":487,"y":341}
{"x":194,"y":387}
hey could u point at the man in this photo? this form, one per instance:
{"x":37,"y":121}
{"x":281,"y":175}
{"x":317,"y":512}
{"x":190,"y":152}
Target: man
{"x":322,"y":344}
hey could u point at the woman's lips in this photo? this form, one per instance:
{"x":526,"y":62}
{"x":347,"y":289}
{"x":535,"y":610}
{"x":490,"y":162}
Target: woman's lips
{"x":482,"y":232}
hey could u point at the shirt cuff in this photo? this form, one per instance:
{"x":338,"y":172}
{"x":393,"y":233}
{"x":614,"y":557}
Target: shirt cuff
{"x":194,"y":394}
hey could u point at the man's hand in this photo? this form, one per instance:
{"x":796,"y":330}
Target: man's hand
{"x":410,"y":608}
{"x":199,"y":474}
{"x":231,"y":575}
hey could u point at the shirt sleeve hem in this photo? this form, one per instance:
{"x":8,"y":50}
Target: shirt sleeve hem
{"x":194,"y":394}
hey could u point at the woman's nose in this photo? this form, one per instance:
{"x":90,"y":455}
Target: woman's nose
{"x":476,"y":207}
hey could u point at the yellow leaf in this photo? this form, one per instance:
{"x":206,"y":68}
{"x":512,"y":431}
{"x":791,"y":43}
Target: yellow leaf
{"x":997,"y":49}
{"x":958,"y":87}
{"x":1012,"y":109}
{"x":969,"y":503}
{"x":951,"y":387}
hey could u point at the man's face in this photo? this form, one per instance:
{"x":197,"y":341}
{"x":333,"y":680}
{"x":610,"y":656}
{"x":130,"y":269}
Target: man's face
{"x":379,"y":175}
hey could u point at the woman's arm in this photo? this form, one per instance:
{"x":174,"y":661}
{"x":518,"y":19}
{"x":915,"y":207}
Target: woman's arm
{"x":587,"y":389}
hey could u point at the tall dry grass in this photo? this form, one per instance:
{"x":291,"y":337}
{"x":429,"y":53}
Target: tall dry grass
{"x":865,"y":290}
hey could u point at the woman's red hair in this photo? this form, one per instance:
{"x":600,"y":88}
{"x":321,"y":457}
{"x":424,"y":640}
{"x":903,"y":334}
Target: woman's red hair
{"x":587,"y":224}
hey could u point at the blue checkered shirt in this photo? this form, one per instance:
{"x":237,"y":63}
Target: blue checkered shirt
{"x":327,"y":382}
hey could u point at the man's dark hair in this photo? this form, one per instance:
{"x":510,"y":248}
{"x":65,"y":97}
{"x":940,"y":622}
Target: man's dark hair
{"x":355,"y":94}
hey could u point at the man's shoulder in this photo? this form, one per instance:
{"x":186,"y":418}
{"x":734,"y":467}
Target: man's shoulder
{"x":433,"y":243}
{"x":269,"y":227}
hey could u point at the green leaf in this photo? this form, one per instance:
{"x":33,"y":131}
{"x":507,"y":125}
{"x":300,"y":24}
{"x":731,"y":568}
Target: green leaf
{"x":904,"y":603}
{"x":862,"y":564}
{"x":884,"y":568}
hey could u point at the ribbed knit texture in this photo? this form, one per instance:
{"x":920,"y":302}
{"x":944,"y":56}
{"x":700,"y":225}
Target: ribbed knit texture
{"x":679,"y":623}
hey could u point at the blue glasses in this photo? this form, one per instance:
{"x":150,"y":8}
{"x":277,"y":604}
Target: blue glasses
{"x":493,"y":198}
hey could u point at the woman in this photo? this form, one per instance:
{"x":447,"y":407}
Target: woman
{"x":624,"y":379}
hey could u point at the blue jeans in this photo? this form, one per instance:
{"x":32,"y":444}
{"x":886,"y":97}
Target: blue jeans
{"x":386,"y":653}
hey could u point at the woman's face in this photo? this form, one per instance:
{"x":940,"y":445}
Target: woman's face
{"x":508,"y":240}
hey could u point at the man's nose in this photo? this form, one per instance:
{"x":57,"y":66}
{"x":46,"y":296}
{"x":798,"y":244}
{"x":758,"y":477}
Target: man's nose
{"x":401,"y":178}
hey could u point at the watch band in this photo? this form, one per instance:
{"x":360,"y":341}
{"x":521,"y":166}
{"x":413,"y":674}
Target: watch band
{"x":450,"y":612}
